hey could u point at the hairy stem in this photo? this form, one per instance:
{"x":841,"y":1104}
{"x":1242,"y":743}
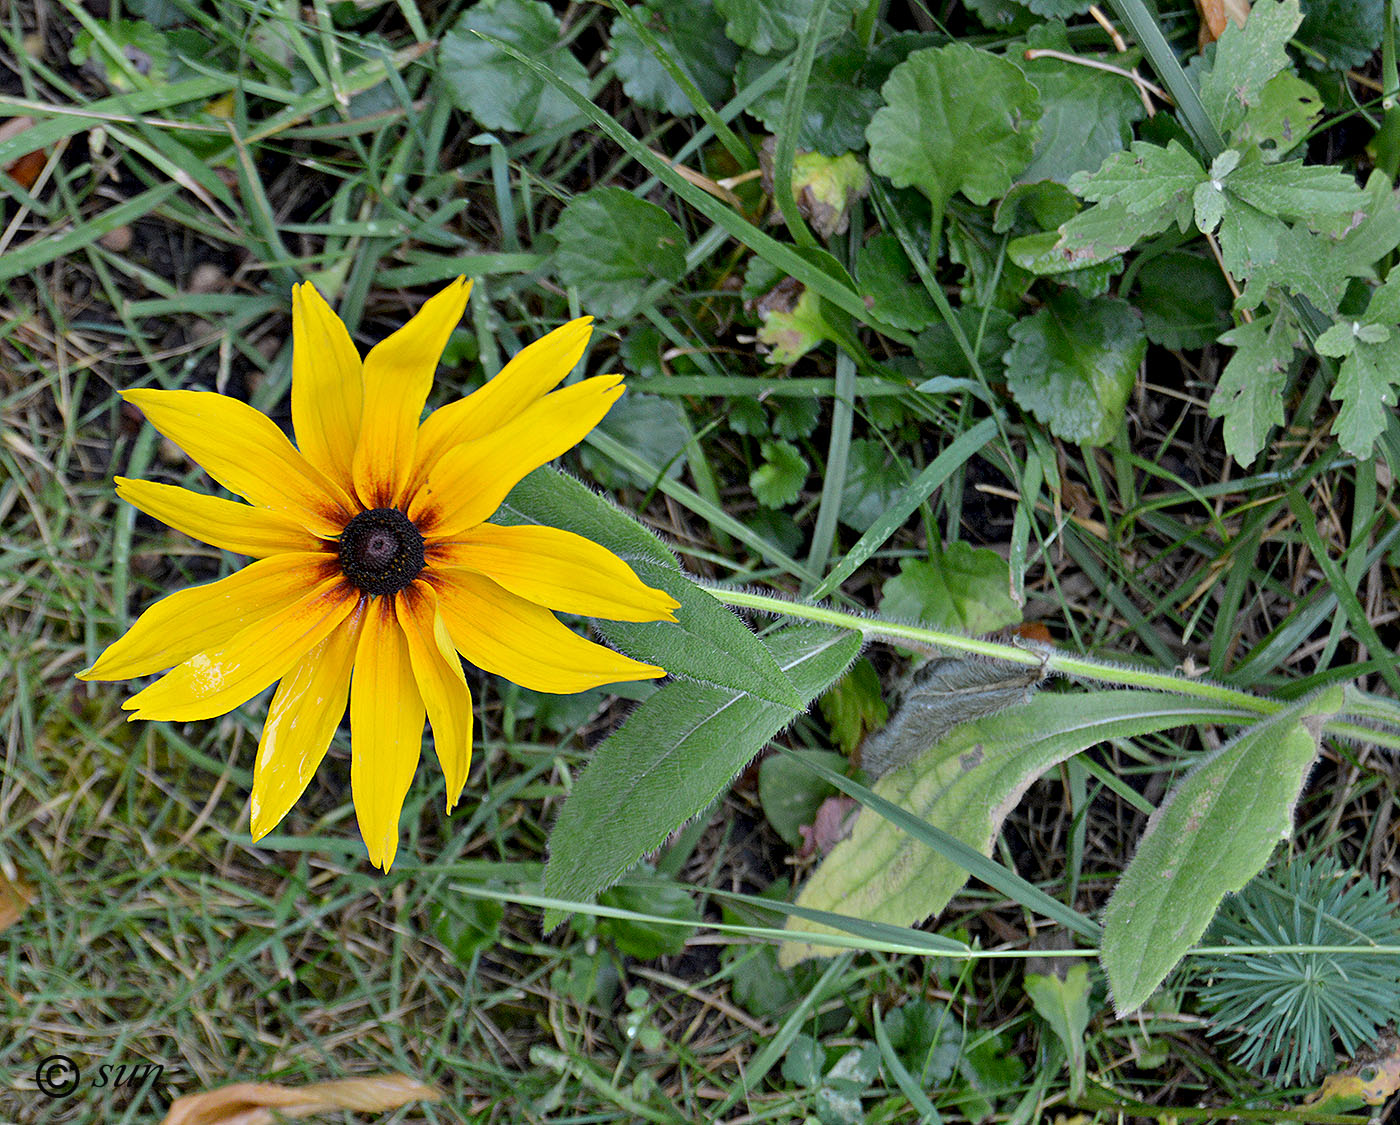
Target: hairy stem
{"x":1052,"y":660}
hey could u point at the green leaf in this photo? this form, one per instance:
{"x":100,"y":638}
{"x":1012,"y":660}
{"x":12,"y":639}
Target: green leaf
{"x":1366,"y":383}
{"x":1088,"y":114}
{"x":1246,"y":58}
{"x":1034,"y":207}
{"x":1146,"y":180}
{"x":1098,"y":234}
{"x":467,"y":926}
{"x":1183,"y":299}
{"x":875,"y":477}
{"x":1059,"y":9}
{"x":768,"y":26}
{"x":937,"y":350}
{"x":1249,"y":241}
{"x":790,"y":794}
{"x":1280,"y":121}
{"x":641,"y":937}
{"x":941,"y":103}
{"x":1212,"y":834}
{"x":1343,"y":33}
{"x":941,"y":694}
{"x":966,"y":785}
{"x":842,"y":94}
{"x":967,"y":588}
{"x":652,"y":426}
{"x":676,"y":753}
{"x":804,"y":1062}
{"x":494,"y":88}
{"x":553,"y":499}
{"x":779,"y":480}
{"x":1064,"y":1006}
{"x":706,"y":642}
{"x":796,"y":417}
{"x":1249,"y":395}
{"x":1074,"y":362}
{"x":896,"y":295}
{"x":691,"y":33}
{"x":854,"y":706}
{"x":612,"y":245}
{"x":143,"y":51}
{"x":1008,"y":17}
{"x":1324,"y":197}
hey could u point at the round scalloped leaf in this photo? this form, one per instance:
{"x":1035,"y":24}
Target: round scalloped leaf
{"x":1010,"y":17}
{"x":1088,"y":114}
{"x":779,"y":480}
{"x":774,"y":26}
{"x":943,"y":104}
{"x":842,"y":94}
{"x":967,"y":589}
{"x":1344,"y":33}
{"x":612,"y":245}
{"x":690,"y":32}
{"x":498,"y":91}
{"x":1074,"y":362}
{"x":889,"y":283}
{"x":1183,"y":299}
{"x":1059,"y":9}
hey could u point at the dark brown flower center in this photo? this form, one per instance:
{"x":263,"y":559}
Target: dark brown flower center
{"x":381,"y":551}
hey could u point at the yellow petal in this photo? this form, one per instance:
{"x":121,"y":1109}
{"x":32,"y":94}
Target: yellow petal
{"x":556,"y":569}
{"x":217,"y":680}
{"x":207,"y":617}
{"x":246,"y":453}
{"x":398,"y":374}
{"x":306,"y":709}
{"x":386,"y":730}
{"x":505,"y":634}
{"x":222,"y":523}
{"x":327,"y":386}
{"x":438,"y":672}
{"x":534,"y":371}
{"x":472,"y":479}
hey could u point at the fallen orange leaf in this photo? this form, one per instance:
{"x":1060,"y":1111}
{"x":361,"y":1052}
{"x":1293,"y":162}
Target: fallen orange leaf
{"x":253,"y":1103}
{"x":25,"y":169}
{"x":1215,"y":13}
{"x":14,"y":900}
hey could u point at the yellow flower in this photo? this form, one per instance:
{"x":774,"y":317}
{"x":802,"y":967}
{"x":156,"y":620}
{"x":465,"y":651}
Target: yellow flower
{"x":375,"y":564}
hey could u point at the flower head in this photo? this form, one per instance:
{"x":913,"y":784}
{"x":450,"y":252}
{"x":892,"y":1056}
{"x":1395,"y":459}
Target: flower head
{"x":375,"y":566}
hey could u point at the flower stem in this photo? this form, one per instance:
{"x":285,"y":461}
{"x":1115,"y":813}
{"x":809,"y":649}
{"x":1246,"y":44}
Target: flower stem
{"x":1053,"y":660}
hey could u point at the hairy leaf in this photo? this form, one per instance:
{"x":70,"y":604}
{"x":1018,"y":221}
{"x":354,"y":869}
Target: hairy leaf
{"x":1212,"y":834}
{"x":706,"y":642}
{"x":966,"y":785}
{"x":675,"y":754}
